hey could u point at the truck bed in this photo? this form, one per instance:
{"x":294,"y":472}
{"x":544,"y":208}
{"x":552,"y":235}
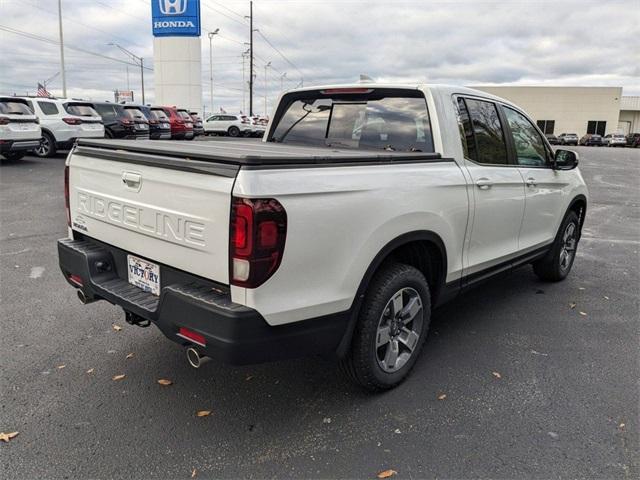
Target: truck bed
{"x":245,"y":152}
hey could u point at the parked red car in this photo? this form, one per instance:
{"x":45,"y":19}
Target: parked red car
{"x":181,"y":127}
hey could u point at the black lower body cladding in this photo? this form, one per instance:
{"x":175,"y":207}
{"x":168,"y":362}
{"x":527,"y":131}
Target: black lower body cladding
{"x":233,"y":333}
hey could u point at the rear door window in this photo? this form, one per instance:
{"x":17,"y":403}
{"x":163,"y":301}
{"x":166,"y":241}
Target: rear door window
{"x":106,"y":112}
{"x":484,"y":134}
{"x":376,"y":119}
{"x":82,"y":110}
{"x":48,"y":108}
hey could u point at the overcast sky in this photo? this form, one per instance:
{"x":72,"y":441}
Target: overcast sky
{"x":585,"y":43}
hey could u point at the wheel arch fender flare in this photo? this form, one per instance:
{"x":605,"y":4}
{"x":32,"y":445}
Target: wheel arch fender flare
{"x":376,"y":263}
{"x":572,"y":204}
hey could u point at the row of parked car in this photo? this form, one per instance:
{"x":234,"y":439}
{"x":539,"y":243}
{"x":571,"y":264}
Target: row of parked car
{"x":595,"y":140}
{"x":46,"y":125}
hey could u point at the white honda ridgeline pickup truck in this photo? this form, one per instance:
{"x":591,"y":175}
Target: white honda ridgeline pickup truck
{"x":364,"y":208}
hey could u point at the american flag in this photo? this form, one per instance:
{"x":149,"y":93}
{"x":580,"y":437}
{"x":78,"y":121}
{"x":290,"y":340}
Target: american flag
{"x":42,"y":91}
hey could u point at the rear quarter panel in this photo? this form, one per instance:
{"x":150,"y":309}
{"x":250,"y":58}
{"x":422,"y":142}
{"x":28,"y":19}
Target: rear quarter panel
{"x":339,"y":218}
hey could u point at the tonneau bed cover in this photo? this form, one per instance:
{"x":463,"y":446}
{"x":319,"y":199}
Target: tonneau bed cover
{"x":251,"y":153}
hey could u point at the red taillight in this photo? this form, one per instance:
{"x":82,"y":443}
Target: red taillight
{"x":66,"y":194}
{"x":72,"y":121}
{"x":192,"y":336}
{"x":4,"y":120}
{"x":258,"y":233}
{"x":76,"y":280}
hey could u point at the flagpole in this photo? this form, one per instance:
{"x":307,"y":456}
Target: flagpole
{"x":64,"y":76}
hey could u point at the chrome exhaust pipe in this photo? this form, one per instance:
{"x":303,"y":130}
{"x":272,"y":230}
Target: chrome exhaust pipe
{"x":84,"y":299}
{"x":195,"y":359}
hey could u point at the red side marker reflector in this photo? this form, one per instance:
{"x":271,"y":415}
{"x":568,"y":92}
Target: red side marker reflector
{"x":192,"y":336}
{"x":76,"y":280}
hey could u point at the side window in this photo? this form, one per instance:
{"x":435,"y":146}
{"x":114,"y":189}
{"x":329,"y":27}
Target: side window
{"x":487,"y":131}
{"x":31,"y":106}
{"x":530,"y":149}
{"x":468,"y":142}
{"x":48,"y":108}
{"x":106,"y":112}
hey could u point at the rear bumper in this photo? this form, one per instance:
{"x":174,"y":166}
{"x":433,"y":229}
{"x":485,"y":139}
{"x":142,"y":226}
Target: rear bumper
{"x":234,"y":333}
{"x":18,"y":145}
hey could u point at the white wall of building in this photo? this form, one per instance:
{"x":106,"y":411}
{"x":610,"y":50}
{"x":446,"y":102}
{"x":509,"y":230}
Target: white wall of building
{"x":570,"y":107}
{"x":178,"y":72}
{"x":629,"y":115}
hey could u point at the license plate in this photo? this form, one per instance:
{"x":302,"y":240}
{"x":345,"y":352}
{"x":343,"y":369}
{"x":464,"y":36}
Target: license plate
{"x":144,"y":275}
{"x":25,"y":127}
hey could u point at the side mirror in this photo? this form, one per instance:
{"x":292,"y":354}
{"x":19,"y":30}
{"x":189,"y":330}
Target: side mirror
{"x":565,"y":160}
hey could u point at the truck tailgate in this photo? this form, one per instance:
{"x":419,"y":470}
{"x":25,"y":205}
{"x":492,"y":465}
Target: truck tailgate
{"x":174,"y":216}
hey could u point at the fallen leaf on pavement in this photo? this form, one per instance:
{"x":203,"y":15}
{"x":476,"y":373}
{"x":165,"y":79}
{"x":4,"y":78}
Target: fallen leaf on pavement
{"x":194,"y":473}
{"x":203,"y":413}
{"x":584,"y":314}
{"x":118,"y":377}
{"x":580,"y":288}
{"x":130,"y":355}
{"x":165,"y":382}
{"x":5,"y":437}
{"x":117,"y":328}
{"x":496,"y":374}
{"x":326,"y":420}
{"x":249,"y":377}
{"x":90,"y":370}
{"x":572,"y":305}
{"x":387,"y":473}
{"x":442,"y":396}
{"x":606,"y":298}
{"x":621,"y":426}
{"x":60,"y":367}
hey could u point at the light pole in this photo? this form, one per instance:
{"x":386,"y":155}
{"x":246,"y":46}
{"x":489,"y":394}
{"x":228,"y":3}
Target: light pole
{"x":64,"y":76}
{"x":135,"y":58}
{"x":211,"y":35}
{"x":244,"y":83}
{"x":265,"y":87}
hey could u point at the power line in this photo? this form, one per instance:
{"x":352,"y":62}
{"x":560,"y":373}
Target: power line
{"x":281,"y":54}
{"x":32,"y":36}
{"x":224,"y":14}
{"x":228,"y":9}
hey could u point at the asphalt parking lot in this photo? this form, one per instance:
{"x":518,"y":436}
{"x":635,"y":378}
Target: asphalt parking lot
{"x":565,"y":405}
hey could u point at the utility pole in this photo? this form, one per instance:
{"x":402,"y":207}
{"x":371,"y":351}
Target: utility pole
{"x":135,"y":58}
{"x":64,"y":76}
{"x":211,"y":35}
{"x":265,"y":87}
{"x":251,"y":58}
{"x":142,"y":77}
{"x":244,"y":84}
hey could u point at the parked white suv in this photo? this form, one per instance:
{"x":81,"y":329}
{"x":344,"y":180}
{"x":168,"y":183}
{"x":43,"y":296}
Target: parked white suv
{"x":226,"y":124}
{"x":365,"y":207}
{"x":19,"y":128}
{"x":63,"y":121}
{"x":614,"y":140}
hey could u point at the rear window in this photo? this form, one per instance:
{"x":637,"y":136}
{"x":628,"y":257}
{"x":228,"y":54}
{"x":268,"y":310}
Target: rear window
{"x":158,"y":114}
{"x":184,"y":114}
{"x":80,"y":109}
{"x":12,"y":107}
{"x":135,"y":113}
{"x":377,"y":119}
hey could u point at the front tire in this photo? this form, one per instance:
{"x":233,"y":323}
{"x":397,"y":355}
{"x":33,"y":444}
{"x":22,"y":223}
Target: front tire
{"x":556,"y":265}
{"x":233,"y":131}
{"x":391,"y":328}
{"x":47,"y":147}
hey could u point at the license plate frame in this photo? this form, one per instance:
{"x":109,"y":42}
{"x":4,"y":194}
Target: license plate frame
{"x":144,"y":274}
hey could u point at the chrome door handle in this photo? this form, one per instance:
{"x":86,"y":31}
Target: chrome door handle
{"x":531,"y":182}
{"x":484,"y":183}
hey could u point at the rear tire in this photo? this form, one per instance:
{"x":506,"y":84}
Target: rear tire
{"x":556,"y":265}
{"x":47,"y":147}
{"x":233,"y":131}
{"x":391,"y":328}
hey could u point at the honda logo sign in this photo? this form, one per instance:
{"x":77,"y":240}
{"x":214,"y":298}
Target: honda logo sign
{"x":173,"y":7}
{"x":176,"y":18}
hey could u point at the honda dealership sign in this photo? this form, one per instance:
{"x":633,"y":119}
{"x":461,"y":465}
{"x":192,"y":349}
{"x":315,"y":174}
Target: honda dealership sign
{"x":176,"y":18}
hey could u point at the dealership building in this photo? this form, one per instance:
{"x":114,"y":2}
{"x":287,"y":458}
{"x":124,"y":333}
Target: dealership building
{"x":579,"y":110}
